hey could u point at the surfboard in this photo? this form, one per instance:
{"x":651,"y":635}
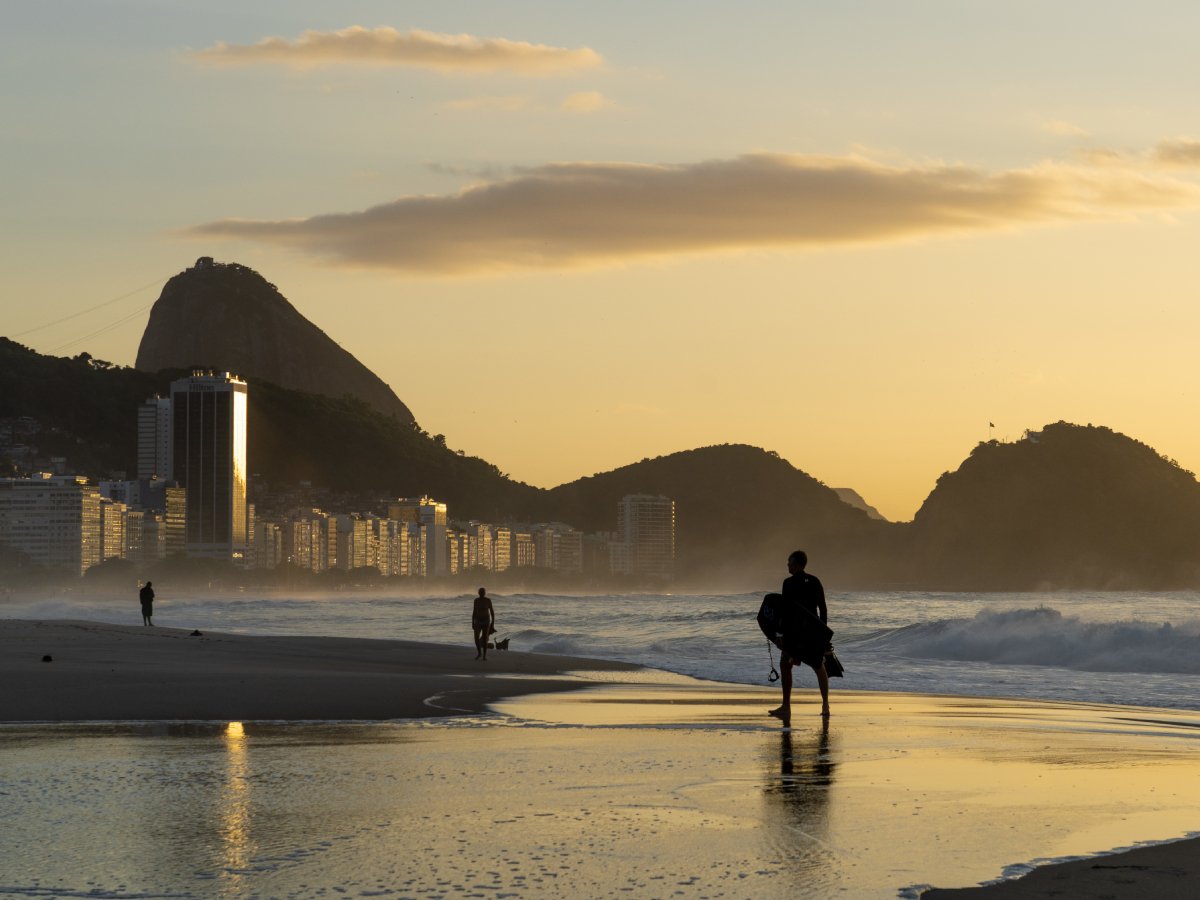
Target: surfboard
{"x":805,"y":639}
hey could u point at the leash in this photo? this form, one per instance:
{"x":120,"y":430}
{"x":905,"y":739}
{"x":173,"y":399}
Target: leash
{"x":774,"y":675}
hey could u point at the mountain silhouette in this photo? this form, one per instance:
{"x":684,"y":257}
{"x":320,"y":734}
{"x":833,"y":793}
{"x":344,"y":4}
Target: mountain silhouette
{"x":227,"y":317}
{"x":1070,"y":506}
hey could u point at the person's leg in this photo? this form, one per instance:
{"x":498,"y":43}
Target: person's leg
{"x":823,"y":684}
{"x":784,"y":711}
{"x":478,"y":638}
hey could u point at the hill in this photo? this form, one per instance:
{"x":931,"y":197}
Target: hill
{"x":227,"y":317}
{"x":739,"y":511}
{"x":1069,"y":506}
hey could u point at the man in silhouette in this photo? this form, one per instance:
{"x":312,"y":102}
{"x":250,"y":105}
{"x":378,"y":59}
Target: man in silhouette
{"x":483,"y":622}
{"x":146,"y":595}
{"x":802,"y":592}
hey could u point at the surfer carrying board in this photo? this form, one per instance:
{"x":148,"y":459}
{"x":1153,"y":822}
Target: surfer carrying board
{"x":805,"y":639}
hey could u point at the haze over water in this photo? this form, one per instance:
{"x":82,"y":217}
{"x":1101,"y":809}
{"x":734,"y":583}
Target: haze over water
{"x":1103,"y":647}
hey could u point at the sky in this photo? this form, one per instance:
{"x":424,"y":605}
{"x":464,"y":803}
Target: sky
{"x":864,"y":235}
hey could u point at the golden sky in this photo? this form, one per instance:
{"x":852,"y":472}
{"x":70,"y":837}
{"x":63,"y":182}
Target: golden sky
{"x":571,"y":236}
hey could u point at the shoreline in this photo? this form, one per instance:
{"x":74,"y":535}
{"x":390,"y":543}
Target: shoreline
{"x":1166,"y":870}
{"x":103,"y":673}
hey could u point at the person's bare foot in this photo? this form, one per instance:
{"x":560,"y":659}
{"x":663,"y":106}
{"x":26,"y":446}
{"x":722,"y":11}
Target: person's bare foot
{"x":779,"y":712}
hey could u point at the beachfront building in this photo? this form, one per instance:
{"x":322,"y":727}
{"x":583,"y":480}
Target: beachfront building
{"x":645,"y":545}
{"x":208,"y":457}
{"x":558,"y":546}
{"x":114,"y":517}
{"x":53,"y":520}
{"x":432,"y":515}
{"x":154,"y":438}
{"x":267,"y":545}
{"x":597,"y":553}
{"x":310,"y":540}
{"x":456,"y":552}
{"x":524,"y":552}
{"x":501,"y":548}
{"x":355,"y":543}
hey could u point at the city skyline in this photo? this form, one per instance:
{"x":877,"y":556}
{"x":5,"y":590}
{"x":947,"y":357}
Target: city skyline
{"x":854,"y":236}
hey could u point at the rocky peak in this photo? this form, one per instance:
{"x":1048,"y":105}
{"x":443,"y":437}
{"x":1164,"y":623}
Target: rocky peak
{"x":226,"y":316}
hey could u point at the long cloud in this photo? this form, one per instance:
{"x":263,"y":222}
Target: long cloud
{"x":389,"y":47}
{"x":587,"y":214}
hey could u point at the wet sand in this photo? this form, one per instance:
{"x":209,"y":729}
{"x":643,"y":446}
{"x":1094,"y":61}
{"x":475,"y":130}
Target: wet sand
{"x":646,"y":785}
{"x":104,"y":672}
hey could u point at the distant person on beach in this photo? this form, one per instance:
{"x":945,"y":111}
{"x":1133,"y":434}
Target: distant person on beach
{"x":802,"y":591}
{"x":483,"y":622}
{"x":146,"y":595}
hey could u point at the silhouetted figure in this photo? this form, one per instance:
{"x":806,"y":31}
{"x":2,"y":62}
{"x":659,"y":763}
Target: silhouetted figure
{"x":802,"y":592}
{"x":483,"y":622}
{"x":146,"y":595}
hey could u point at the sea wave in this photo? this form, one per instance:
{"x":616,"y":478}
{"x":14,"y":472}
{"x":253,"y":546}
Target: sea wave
{"x":1043,"y":636}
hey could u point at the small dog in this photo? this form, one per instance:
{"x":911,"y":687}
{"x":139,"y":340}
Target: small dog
{"x":498,"y":645}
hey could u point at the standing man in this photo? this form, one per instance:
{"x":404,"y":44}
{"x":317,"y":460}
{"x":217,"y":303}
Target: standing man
{"x":146,"y":595}
{"x":802,"y":591}
{"x":483,"y":622}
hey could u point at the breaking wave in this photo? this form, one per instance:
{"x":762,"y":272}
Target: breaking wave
{"x":1045,"y":637}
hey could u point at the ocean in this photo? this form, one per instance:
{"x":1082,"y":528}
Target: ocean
{"x":507,"y":806}
{"x":1130,"y":648}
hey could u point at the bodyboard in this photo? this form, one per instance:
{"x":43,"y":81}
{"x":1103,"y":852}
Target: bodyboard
{"x":794,"y":630}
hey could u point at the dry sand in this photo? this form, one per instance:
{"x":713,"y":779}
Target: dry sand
{"x":688,"y":784}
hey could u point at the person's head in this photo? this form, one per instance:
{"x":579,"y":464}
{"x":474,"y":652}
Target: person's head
{"x":797,"y":561}
{"x":483,"y":592}
{"x":148,"y":583}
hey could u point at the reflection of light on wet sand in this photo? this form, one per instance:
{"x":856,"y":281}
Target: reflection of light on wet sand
{"x":907,"y":789}
{"x":236,"y":845}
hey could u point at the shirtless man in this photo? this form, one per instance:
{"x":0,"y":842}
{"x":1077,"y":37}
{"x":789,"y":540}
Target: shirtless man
{"x":483,"y":619}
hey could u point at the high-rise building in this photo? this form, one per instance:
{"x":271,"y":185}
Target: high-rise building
{"x":501,"y":548}
{"x":645,"y":537}
{"x":114,"y":519}
{"x":208,"y":457}
{"x":431,"y":514}
{"x":54,"y":520}
{"x":154,"y":438}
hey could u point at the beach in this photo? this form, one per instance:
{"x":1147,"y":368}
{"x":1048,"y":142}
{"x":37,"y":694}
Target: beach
{"x":410,"y":769}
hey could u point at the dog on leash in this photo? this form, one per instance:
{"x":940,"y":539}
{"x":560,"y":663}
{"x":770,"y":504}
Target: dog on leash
{"x":498,"y":645}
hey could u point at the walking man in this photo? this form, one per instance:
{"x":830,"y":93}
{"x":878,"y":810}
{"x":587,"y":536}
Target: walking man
{"x":802,"y":594}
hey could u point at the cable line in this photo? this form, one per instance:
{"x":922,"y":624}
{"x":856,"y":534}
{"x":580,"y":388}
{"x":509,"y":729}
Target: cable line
{"x":109,"y":327}
{"x":84,"y":312}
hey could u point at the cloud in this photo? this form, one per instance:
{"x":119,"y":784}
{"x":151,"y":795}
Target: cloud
{"x":388,"y":47}
{"x":588,"y":214}
{"x":1064,"y":129}
{"x":1179,"y":152}
{"x":586,"y":102}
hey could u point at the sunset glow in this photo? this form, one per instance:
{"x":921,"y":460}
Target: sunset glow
{"x":853,"y":235}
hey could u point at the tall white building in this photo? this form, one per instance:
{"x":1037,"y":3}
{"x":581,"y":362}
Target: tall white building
{"x":645,"y":537}
{"x":208,"y":457}
{"x":431,"y":514}
{"x":154,"y":439}
{"x":55,"y":520}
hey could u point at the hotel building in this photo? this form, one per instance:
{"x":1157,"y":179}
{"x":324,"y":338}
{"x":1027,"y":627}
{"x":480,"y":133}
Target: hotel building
{"x":208,"y":457}
{"x":645,"y":537}
{"x":54,"y":520}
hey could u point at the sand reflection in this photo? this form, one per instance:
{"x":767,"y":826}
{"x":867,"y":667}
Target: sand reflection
{"x":234,"y":808}
{"x":797,"y":787}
